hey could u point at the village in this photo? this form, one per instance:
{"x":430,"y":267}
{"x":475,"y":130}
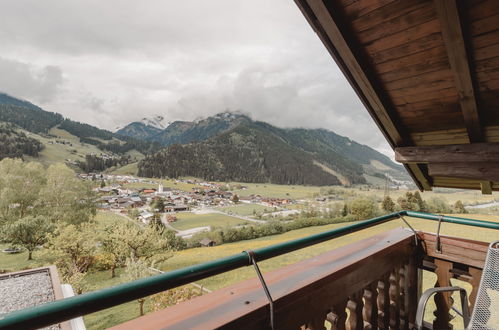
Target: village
{"x":135,"y":198}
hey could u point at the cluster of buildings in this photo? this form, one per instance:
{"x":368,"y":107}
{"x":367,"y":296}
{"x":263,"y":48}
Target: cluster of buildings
{"x":118,"y":196}
{"x":266,"y":201}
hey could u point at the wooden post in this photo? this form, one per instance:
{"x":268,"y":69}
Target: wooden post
{"x":338,"y":316}
{"x":383,"y":303}
{"x":443,"y":299}
{"x":413,"y":281}
{"x":394,"y":294}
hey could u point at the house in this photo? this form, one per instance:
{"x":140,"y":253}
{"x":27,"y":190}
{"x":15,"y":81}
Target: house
{"x":146,"y":217}
{"x":207,"y":242}
{"x":137,"y":201}
{"x":179,"y":208}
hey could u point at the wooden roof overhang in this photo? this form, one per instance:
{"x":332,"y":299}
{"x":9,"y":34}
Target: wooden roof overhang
{"x":428,"y":73}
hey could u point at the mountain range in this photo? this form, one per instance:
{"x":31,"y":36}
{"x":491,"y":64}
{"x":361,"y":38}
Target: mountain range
{"x":233,"y":147}
{"x":225,"y":147}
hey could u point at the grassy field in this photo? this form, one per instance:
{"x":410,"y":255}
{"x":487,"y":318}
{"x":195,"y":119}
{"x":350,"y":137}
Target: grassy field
{"x":42,"y":257}
{"x":198,"y":255}
{"x":129,"y":169}
{"x":188,"y":220}
{"x":246,"y":209}
{"x":277,"y":191}
{"x":450,"y":195}
{"x":167,"y":183}
{"x":58,"y":153}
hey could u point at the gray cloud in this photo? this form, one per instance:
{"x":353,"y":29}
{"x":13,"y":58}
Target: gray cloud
{"x":40,"y":84}
{"x":124,"y":60}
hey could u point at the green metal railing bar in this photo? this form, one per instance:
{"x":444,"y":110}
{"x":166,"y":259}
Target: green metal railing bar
{"x":65,"y":309}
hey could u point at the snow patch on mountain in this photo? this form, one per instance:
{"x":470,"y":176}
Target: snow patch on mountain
{"x":156,"y":121}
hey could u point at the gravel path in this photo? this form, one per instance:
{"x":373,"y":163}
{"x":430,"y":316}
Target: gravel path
{"x":22,"y":291}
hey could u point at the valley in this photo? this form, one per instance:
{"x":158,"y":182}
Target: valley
{"x":193,"y":192}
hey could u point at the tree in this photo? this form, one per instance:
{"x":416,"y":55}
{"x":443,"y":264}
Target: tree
{"x":65,"y":197}
{"x":75,"y":245}
{"x":29,"y":189}
{"x":344,"y":212}
{"x":137,"y":269}
{"x":102,"y":183}
{"x":459,"y":207}
{"x":419,"y":201}
{"x":388,"y":205}
{"x":75,"y":277}
{"x":20,"y":185}
{"x":115,"y":252}
{"x":403,"y":203}
{"x":235,"y":198}
{"x":363,"y":208}
{"x":174,"y":296}
{"x":142,"y":243}
{"x":156,"y":222}
{"x":29,"y":232}
{"x":158,"y":205}
{"x":438,"y":205}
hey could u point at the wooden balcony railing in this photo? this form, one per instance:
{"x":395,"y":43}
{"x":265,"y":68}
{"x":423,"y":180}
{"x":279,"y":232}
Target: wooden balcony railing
{"x":457,"y":258}
{"x":371,"y":284}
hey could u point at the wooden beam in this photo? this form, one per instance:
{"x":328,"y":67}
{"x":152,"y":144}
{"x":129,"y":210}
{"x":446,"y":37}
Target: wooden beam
{"x":344,"y":51}
{"x":474,"y":171}
{"x":486,"y":187}
{"x":420,"y":176}
{"x":450,"y":23}
{"x":461,"y":153}
{"x":347,"y":54}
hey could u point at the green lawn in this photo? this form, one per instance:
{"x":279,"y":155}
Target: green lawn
{"x":188,"y":220}
{"x":129,"y":169}
{"x":115,"y":315}
{"x":58,"y":153}
{"x":105,"y":218}
{"x":246,"y":209}
{"x":198,"y":255}
{"x":277,"y":191}
{"x":166,"y":183}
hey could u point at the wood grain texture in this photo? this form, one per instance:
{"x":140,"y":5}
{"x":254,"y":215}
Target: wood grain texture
{"x":473,"y":170}
{"x":450,"y":23}
{"x":454,"y":153}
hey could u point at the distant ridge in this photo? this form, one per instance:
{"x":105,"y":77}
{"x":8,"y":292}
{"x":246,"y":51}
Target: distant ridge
{"x":185,"y":131}
{"x":232,"y":147}
{"x":7,"y":99}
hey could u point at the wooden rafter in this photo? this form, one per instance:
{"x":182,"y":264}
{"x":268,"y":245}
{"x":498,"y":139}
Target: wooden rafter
{"x":486,"y":187}
{"x":450,"y":23}
{"x":456,"y":153}
{"x":476,"y":171}
{"x":340,"y":45}
{"x":332,"y":34}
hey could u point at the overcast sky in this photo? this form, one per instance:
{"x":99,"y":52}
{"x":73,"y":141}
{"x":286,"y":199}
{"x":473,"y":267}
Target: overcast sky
{"x":110,"y":62}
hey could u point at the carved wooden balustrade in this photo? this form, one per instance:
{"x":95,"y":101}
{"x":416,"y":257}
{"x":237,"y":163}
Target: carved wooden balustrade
{"x":370,"y":284}
{"x":456,"y":259}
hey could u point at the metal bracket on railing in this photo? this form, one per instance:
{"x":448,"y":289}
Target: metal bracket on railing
{"x":416,"y":238}
{"x":438,"y":245}
{"x":252,"y":260}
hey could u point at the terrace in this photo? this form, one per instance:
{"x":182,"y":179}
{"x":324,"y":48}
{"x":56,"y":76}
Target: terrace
{"x":373,"y":283}
{"x":427,"y":73}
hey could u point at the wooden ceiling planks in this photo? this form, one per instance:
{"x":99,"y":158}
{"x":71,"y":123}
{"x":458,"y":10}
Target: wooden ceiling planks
{"x":427,"y":70}
{"x":450,"y":23}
